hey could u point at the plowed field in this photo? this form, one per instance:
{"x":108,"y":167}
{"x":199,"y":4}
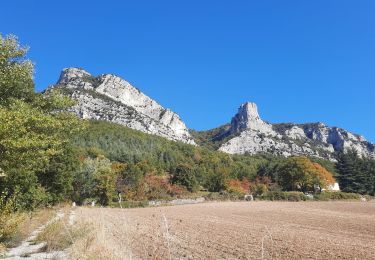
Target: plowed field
{"x":240,"y":230}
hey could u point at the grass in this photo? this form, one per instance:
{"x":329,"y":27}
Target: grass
{"x":31,"y":221}
{"x":16,"y":227}
{"x":59,"y":235}
{"x":98,"y":244}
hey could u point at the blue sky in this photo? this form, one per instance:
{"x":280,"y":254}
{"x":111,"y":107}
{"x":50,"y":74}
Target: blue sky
{"x":300,"y":61}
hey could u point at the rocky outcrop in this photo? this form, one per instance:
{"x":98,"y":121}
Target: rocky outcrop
{"x":248,"y":118}
{"x":111,"y":98}
{"x":250,"y":134}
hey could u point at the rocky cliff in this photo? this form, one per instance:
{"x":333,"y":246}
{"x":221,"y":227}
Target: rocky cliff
{"x":248,"y":133}
{"x":111,"y":98}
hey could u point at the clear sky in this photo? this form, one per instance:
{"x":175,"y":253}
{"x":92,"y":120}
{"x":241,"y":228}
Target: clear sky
{"x":300,"y":61}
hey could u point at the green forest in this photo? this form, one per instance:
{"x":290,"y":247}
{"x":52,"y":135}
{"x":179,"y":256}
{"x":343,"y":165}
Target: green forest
{"x":48,"y":156}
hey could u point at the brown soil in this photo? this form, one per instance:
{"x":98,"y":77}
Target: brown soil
{"x":240,"y":230}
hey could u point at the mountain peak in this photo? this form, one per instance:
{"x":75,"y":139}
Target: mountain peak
{"x":247,"y":117}
{"x":249,"y":110}
{"x":111,"y":98}
{"x":69,"y":74}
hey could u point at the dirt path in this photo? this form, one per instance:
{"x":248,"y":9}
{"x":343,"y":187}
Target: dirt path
{"x":240,"y":230}
{"x":28,"y":249}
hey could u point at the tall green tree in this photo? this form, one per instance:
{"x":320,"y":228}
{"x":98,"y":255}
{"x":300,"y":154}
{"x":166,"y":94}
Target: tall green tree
{"x":33,"y":134}
{"x":356,"y":174}
{"x":16,"y":72}
{"x":184,"y":175}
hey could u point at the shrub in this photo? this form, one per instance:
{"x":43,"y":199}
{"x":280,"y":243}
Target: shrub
{"x":9,"y":220}
{"x":217,"y":181}
{"x":222,"y":196}
{"x":238,"y":188}
{"x":131,"y":204}
{"x":159,"y":187}
{"x":259,"y":189}
{"x":283,"y":195}
{"x":337,"y":196}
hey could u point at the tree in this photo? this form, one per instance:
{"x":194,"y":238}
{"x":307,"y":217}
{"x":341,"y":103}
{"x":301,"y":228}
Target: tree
{"x":16,"y":72}
{"x":356,"y":174}
{"x":104,"y":181}
{"x":238,"y":187}
{"x":300,"y":173}
{"x":184,"y":175}
{"x":57,"y":177}
{"x":218,"y":180}
{"x":32,"y":134}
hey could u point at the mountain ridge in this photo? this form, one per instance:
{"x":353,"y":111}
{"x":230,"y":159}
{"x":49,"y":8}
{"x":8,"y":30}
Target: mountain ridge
{"x":111,"y":98}
{"x":312,"y":139}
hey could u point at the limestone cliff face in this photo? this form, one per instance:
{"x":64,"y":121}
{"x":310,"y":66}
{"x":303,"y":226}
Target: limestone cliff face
{"x":253,"y":135}
{"x":248,"y":118}
{"x":111,"y":98}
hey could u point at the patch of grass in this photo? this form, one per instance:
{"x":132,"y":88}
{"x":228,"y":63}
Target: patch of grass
{"x":9,"y":221}
{"x":29,"y":222}
{"x":59,"y":236}
{"x":97,"y":243}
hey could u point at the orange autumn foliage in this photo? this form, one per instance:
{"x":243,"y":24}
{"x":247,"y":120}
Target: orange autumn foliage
{"x":240,"y":187}
{"x":300,"y":173}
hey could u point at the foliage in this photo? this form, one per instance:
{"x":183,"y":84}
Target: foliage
{"x":261,"y":185}
{"x":238,"y":187}
{"x":356,"y":174}
{"x":218,"y":180}
{"x":96,"y":178}
{"x":283,"y":195}
{"x":104,"y":178}
{"x":57,"y":177}
{"x":336,"y":196}
{"x":212,"y":138}
{"x":184,"y":175}
{"x":32,"y":134}
{"x":9,"y":219}
{"x":300,"y":173}
{"x":222,"y":196}
{"x":159,"y":187}
{"x":16,"y":72}
{"x":31,"y":141}
{"x":144,"y":153}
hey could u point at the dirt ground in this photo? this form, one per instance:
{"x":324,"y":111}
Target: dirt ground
{"x":239,"y":230}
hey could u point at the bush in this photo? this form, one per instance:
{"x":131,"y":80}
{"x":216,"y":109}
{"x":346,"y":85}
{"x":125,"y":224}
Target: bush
{"x":184,"y":175}
{"x":284,"y":195}
{"x":259,"y":189}
{"x":337,"y":196}
{"x":222,"y":196}
{"x":131,"y":204}
{"x":9,"y":220}
{"x":157,"y":187}
{"x":238,"y":188}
